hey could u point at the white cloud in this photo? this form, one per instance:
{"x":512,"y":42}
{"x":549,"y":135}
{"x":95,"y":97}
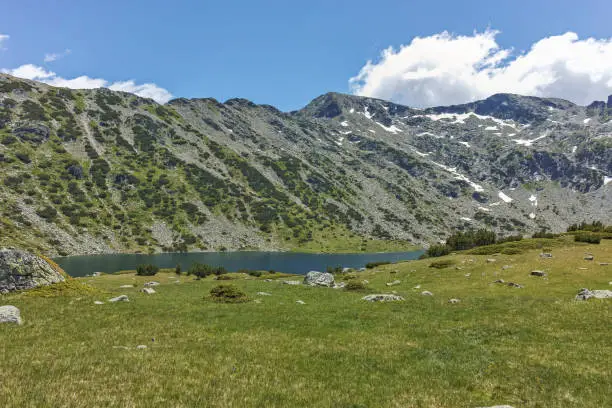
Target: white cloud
{"x":36,"y":73}
{"x":3,"y":37}
{"x":448,"y":69}
{"x":55,"y":56}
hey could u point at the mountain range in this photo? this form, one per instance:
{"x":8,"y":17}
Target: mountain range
{"x":99,"y":171}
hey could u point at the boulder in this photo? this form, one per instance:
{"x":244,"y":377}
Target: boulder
{"x":538,"y":273}
{"x":126,"y":286}
{"x":122,"y":298}
{"x":291,"y":282}
{"x":339,"y":285}
{"x":545,"y":255}
{"x":383,"y":298}
{"x":153,"y":283}
{"x":515,"y":285}
{"x":315,"y":278}
{"x":300,"y":302}
{"x":148,"y":291}
{"x":586,"y":294}
{"x":21,"y":270}
{"x":395,"y":282}
{"x":10,"y":314}
{"x":263,"y":294}
{"x":454,"y":301}
{"x":589,"y":257}
{"x":98,"y":302}
{"x":426,"y":293}
{"x":491,"y":260}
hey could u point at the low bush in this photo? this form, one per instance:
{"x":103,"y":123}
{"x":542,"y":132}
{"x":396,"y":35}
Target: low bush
{"x":147,"y":270}
{"x":511,"y":251}
{"x":203,"y":270}
{"x":445,"y":263}
{"x":224,"y":277}
{"x":355,"y":285}
{"x":228,"y":294}
{"x":371,"y":265}
{"x":438,"y":250}
{"x":589,"y":238}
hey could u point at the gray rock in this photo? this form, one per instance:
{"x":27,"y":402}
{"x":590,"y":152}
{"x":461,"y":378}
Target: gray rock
{"x":491,"y":260}
{"x":21,"y":270}
{"x":499,"y":281}
{"x":586,"y":294}
{"x":538,"y":273}
{"x":97,"y":302}
{"x":291,"y":282}
{"x":126,"y":286}
{"x":315,"y":278}
{"x":394,"y":283}
{"x":339,"y":285}
{"x":604,"y":263}
{"x":589,"y":257}
{"x":300,"y":302}
{"x":263,"y":294}
{"x":122,"y":298}
{"x":545,"y":255}
{"x":454,"y":301}
{"x":148,"y":291}
{"x":268,"y":280}
{"x":383,"y":298}
{"x":141,"y":347}
{"x":426,"y":293}
{"x":96,"y":274}
{"x":153,"y":283}
{"x":515,"y":285}
{"x":10,"y":314}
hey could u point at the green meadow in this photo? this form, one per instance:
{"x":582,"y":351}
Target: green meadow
{"x":534,"y":346}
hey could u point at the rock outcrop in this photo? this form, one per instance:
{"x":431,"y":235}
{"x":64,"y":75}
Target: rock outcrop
{"x":21,"y":270}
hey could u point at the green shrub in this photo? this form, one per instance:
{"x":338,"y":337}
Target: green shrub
{"x":355,"y":285}
{"x":203,"y":270}
{"x":511,"y":251}
{"x":438,"y":250}
{"x":224,"y":277}
{"x":177,"y":269}
{"x":228,"y":294}
{"x":47,"y":212}
{"x":445,"y":263}
{"x":371,"y":265}
{"x":544,"y":234}
{"x":590,"y":238}
{"x":257,"y":274}
{"x":147,"y":270}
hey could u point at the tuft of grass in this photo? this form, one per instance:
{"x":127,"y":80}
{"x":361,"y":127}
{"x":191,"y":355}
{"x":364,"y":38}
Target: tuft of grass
{"x":69,"y":288}
{"x":443,"y":263}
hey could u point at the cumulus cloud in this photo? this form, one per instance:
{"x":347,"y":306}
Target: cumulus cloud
{"x":36,"y":73}
{"x":55,"y":56}
{"x":445,"y":69}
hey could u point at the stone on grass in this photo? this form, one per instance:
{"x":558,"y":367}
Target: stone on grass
{"x":426,"y":293}
{"x":491,"y":260}
{"x":339,"y":285}
{"x":141,"y":347}
{"x":384,"y":297}
{"x":263,"y":294}
{"x":545,"y":255}
{"x":267,"y":280}
{"x":300,"y":302}
{"x":122,"y":298}
{"x":454,"y":301}
{"x":417,"y":287}
{"x":515,"y":285}
{"x":10,"y":314}
{"x":126,"y":286}
{"x":291,"y":282}
{"x":499,"y":281}
{"x":604,"y":263}
{"x":153,"y":283}
{"x":21,"y":270}
{"x":98,"y":302}
{"x":316,"y":278}
{"x":395,"y":282}
{"x":589,"y":257}
{"x":538,"y":273}
{"x":148,"y":291}
{"x":586,"y":294}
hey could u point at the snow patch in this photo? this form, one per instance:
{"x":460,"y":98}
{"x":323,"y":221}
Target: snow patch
{"x":345,"y":123}
{"x":466,"y":144}
{"x":531,"y":215}
{"x":390,"y":129}
{"x":466,"y":219}
{"x":484,"y":209}
{"x":574,"y":149}
{"x":371,"y":131}
{"x":587,"y":120}
{"x":607,"y":180}
{"x":366,"y":113}
{"x":462,"y":117}
{"x":534,"y":200}
{"x":528,"y":142}
{"x":458,"y":176}
{"x":491,"y":128}
{"x":504,"y":197}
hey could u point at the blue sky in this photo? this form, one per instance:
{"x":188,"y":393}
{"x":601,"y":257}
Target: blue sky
{"x":277,"y":52}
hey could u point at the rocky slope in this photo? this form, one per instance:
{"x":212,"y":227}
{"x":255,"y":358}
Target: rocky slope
{"x":100,"y":171}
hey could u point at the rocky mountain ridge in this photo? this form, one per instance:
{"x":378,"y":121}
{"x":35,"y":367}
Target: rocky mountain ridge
{"x":89,"y":171}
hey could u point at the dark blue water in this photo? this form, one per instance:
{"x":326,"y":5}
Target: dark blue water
{"x":289,"y":262}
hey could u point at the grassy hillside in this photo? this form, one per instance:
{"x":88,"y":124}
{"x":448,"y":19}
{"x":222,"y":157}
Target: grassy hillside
{"x":529,"y":347}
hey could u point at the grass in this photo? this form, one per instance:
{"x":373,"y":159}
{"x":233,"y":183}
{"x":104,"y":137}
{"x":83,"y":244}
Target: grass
{"x":530,"y":347}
